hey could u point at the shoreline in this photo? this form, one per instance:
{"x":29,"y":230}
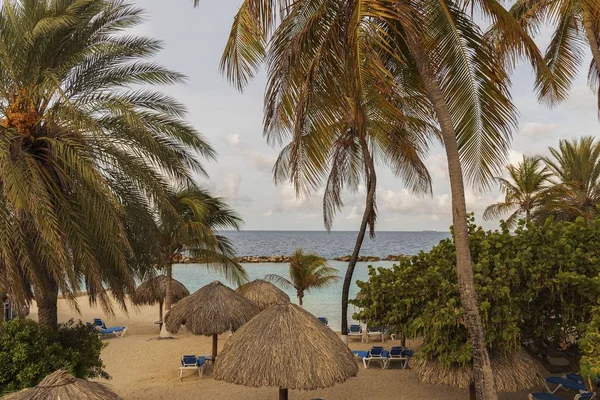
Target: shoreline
{"x":286,"y":259}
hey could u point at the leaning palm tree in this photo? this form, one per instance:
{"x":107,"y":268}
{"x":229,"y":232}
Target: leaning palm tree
{"x":192,"y":230}
{"x":576,"y":190}
{"x":307,"y":272}
{"x":87,"y":149}
{"x":525,"y":191}
{"x":392,"y":51}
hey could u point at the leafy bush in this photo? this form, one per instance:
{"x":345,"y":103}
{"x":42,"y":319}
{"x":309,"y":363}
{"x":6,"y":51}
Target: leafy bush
{"x":29,"y":352}
{"x":540,"y":283}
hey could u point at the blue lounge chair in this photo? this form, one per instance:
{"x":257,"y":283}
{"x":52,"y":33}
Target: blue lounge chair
{"x":374,"y":331}
{"x":103,"y":330}
{"x":324,"y":320}
{"x":563,"y":383}
{"x":396,"y":353}
{"x":192,"y":362}
{"x":376,"y":353}
{"x":355,"y":330}
{"x":548,"y":396}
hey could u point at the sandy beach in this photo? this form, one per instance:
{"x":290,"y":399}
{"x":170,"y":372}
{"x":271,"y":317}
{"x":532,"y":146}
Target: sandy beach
{"x":143,"y":367}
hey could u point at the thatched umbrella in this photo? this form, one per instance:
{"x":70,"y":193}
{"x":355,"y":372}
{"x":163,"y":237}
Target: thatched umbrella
{"x":211,"y":310}
{"x":62,"y":385}
{"x":154,"y":290}
{"x":513,"y":372}
{"x":285,"y":347}
{"x":262,"y":293}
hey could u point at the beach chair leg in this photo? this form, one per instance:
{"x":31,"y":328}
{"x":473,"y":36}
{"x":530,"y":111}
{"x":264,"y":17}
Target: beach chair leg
{"x":180,"y":373}
{"x":365,"y":363}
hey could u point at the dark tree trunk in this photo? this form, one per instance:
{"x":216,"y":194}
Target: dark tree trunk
{"x":300,"y":297}
{"x":169,"y":291}
{"x":46,"y":297}
{"x":590,"y":34}
{"x":283,"y":394}
{"x":368,"y":217}
{"x":160,"y":310}
{"x":483,"y":376}
{"x":215,"y":346}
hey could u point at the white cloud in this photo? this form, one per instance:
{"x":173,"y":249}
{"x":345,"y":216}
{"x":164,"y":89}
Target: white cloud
{"x":538,"y":130}
{"x":233,"y":139}
{"x":230,"y":190}
{"x":261,"y":161}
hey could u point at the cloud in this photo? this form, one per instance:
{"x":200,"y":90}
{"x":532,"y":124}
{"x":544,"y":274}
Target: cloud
{"x":230,"y":190}
{"x":261,"y":161}
{"x":538,"y":130}
{"x":581,"y":99}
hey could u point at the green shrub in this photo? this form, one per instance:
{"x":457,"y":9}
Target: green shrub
{"x":539,"y":283}
{"x":29,"y":352}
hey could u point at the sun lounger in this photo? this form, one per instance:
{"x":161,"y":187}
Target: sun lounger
{"x":374,"y":331}
{"x":548,"y":396}
{"x":103,"y":330}
{"x":324,"y":320}
{"x":563,"y":383}
{"x":354,"y":331}
{"x":396,"y":354}
{"x":376,"y":353}
{"x":192,"y":362}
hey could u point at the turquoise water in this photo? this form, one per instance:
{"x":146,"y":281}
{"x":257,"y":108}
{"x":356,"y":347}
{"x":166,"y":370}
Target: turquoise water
{"x":325,"y":302}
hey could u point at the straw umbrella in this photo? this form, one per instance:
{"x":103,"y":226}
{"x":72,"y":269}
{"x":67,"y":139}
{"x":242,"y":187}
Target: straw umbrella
{"x":262,"y":293}
{"x":211,"y":310}
{"x":154,"y":290}
{"x":285,"y":347}
{"x":62,"y":385}
{"x":513,"y":372}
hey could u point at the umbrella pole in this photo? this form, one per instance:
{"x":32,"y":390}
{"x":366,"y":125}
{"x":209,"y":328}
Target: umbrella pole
{"x":214,"y":349}
{"x":283,"y":394}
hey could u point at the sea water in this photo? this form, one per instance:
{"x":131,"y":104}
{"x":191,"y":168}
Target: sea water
{"x":321,"y":302}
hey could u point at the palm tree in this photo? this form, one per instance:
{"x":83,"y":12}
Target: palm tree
{"x":525,"y":191}
{"x":192,"y":230}
{"x":576,"y":27}
{"x":307,"y":272}
{"x":86,"y":150}
{"x":576,"y":169}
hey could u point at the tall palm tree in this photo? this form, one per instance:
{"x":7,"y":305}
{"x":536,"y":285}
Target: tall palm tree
{"x":576,"y":26}
{"x":86,"y":150}
{"x":192,"y":230}
{"x":525,"y":192}
{"x":307,"y":272}
{"x":425,"y":49}
{"x":576,"y":168}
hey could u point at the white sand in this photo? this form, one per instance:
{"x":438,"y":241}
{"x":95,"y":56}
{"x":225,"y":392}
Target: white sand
{"x":143,"y":367}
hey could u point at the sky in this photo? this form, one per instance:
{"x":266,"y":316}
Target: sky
{"x":194,"y":39}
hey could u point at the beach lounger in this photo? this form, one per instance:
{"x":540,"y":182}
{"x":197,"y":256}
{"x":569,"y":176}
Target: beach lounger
{"x":324,"y":320}
{"x":396,"y":354}
{"x":563,"y":383}
{"x":374,"y":331}
{"x":376,"y":353}
{"x":103,"y":330}
{"x":355,"y":330}
{"x":548,"y":396}
{"x":192,"y":362}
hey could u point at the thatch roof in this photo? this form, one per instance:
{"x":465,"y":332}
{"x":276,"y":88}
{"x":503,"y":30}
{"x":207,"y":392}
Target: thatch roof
{"x":262,"y":293}
{"x":61,"y":385}
{"x":155,"y":289}
{"x":287,"y":347}
{"x":212,"y":309}
{"x":513,"y":372}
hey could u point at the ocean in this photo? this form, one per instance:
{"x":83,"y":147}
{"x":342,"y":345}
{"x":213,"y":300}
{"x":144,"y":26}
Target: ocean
{"x":325,"y":302}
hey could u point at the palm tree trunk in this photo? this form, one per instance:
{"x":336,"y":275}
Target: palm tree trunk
{"x":590,"y":33}
{"x":300,"y":297}
{"x":169,"y":291}
{"x":483,"y":377}
{"x":46,"y":297}
{"x":367,"y":217}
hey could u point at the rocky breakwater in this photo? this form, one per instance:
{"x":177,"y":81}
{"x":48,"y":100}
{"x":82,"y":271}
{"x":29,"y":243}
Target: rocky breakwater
{"x":391,"y":257}
{"x":262,"y":259}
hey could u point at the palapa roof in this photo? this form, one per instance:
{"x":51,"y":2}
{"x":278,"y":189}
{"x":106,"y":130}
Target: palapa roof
{"x":513,"y":372}
{"x":155,"y":289}
{"x":212,"y":309}
{"x":287,"y":347}
{"x":262,"y":293}
{"x":62,"y":385}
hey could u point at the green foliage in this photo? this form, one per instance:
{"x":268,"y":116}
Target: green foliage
{"x":540,"y":283}
{"x":589,"y":345}
{"x":29,"y":352}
